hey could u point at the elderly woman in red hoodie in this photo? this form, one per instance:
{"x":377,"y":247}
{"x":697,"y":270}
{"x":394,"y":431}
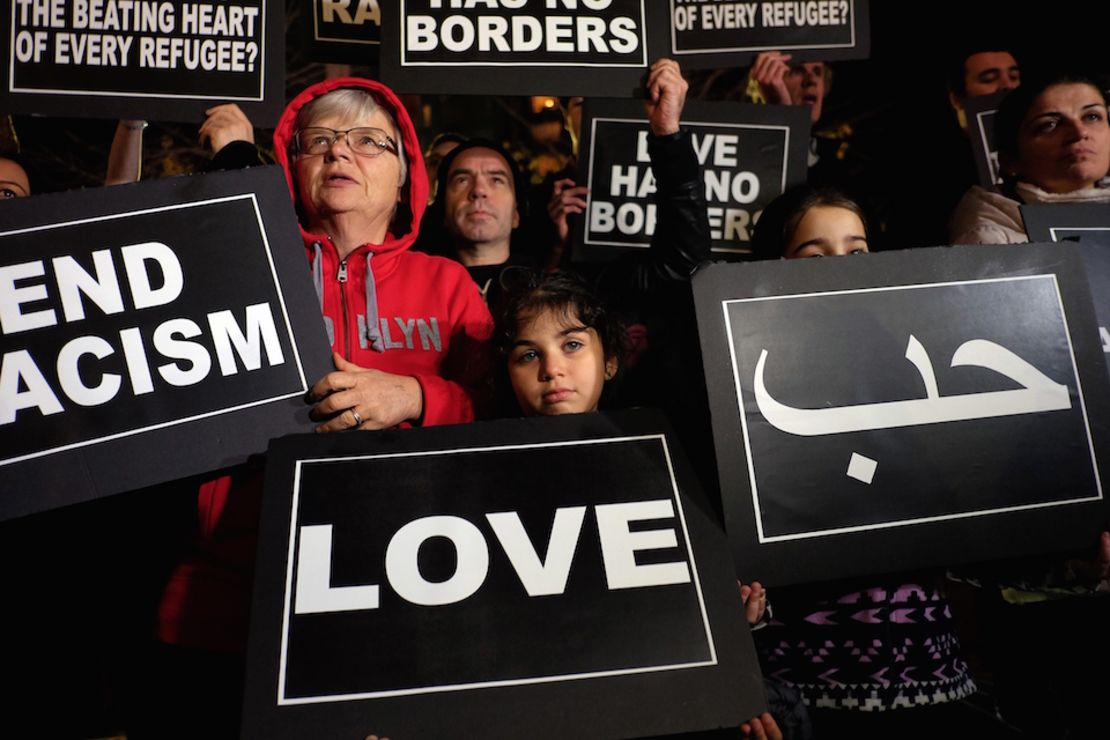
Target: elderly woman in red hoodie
{"x":408,"y":333}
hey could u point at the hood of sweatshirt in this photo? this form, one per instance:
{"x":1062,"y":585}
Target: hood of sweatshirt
{"x":414,"y":195}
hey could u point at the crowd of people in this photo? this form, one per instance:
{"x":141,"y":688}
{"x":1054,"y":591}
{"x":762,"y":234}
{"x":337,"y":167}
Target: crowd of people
{"x":450,"y":232}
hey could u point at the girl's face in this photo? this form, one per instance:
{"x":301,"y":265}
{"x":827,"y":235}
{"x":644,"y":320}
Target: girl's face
{"x":558,"y":366}
{"x":1064,"y":141}
{"x":827,"y":231}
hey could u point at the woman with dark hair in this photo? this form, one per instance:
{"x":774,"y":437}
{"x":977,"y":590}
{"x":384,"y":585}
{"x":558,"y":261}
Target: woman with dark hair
{"x":1053,"y":140}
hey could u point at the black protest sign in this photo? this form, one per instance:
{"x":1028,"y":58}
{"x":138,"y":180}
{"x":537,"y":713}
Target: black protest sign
{"x":523,"y":578}
{"x":933,"y":405}
{"x":980,"y":112}
{"x":728,"y":33}
{"x":1089,"y":225}
{"x":150,"y":332}
{"x":347,"y":31}
{"x":166,"y":60}
{"x":515,"y":47}
{"x":749,"y":154}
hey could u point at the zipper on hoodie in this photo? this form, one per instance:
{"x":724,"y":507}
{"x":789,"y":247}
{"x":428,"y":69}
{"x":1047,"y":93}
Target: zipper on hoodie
{"x":341,"y":276}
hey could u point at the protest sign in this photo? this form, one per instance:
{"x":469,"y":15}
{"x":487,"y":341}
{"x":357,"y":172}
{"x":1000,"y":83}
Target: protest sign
{"x":523,"y":578}
{"x":730,"y":33}
{"x":159,"y":59}
{"x":749,"y":154}
{"x":515,"y":47}
{"x":150,"y":332}
{"x":980,"y":113}
{"x":348,"y":31}
{"x":1089,"y":225}
{"x":934,"y":405}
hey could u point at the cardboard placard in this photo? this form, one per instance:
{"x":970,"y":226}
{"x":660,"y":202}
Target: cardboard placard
{"x":933,"y":405}
{"x":1089,"y":225}
{"x":749,"y":155}
{"x":521,"y":578}
{"x":730,"y":33}
{"x":515,"y":47}
{"x":980,"y":131}
{"x":150,"y":332}
{"x":347,"y":31}
{"x":167,"y":60}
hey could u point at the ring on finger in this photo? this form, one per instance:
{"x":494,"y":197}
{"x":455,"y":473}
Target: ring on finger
{"x":358,"y":418}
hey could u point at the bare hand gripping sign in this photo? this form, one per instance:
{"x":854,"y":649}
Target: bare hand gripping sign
{"x":954,"y":411}
{"x":125,"y":328}
{"x":570,"y":47}
{"x":152,"y":58}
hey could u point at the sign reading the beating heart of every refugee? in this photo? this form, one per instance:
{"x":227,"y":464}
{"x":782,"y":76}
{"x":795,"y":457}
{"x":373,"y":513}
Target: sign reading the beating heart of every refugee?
{"x":159,"y":59}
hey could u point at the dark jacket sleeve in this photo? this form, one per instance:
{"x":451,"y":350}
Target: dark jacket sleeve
{"x":681,"y":240}
{"x":238,"y":155}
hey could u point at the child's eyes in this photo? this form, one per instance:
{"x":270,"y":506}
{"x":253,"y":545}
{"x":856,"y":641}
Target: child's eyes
{"x":573,"y":344}
{"x":526,"y":356}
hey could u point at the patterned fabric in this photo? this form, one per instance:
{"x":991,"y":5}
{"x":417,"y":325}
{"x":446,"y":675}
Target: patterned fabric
{"x":883,"y":647}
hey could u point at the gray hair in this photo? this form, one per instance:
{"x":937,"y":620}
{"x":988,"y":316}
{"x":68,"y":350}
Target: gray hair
{"x":351,"y":104}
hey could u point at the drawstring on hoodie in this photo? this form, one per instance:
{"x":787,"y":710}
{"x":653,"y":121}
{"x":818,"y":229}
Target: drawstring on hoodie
{"x":373,"y":335}
{"x":373,"y":326}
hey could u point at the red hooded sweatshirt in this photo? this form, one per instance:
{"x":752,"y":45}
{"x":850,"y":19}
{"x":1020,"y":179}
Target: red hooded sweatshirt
{"x":386,"y":308}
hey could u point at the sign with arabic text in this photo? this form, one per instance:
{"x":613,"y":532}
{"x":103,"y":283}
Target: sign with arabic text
{"x":150,"y":332}
{"x":515,"y":47}
{"x":730,"y":33}
{"x":933,"y":405}
{"x":749,"y":154}
{"x":479,"y":580}
{"x":167,"y":60}
{"x":1089,"y":225}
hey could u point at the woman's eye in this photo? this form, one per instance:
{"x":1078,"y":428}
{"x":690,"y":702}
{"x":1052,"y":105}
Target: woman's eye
{"x":6,"y":193}
{"x":573,"y":344}
{"x":1046,"y":126}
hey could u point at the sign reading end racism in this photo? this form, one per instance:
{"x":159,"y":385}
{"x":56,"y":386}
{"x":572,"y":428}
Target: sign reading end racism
{"x":152,"y":332}
{"x":161,"y":59}
{"x":515,"y":47}
{"x":527,"y":578}
{"x":723,"y":33}
{"x":932,"y":405}
{"x":749,"y":154}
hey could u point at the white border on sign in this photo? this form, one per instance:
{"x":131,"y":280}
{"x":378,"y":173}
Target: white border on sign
{"x":175,"y":422}
{"x":602,"y":65}
{"x":329,"y":698}
{"x":261,"y":60}
{"x":775,"y":47}
{"x":643,"y":124}
{"x":919,"y":520}
{"x":1053,"y":229}
{"x":316,"y":30}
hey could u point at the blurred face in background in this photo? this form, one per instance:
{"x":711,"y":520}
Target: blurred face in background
{"x":806,"y":83}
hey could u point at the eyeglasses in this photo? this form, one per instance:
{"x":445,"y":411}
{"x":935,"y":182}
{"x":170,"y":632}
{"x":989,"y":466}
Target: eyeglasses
{"x":369,"y":142}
